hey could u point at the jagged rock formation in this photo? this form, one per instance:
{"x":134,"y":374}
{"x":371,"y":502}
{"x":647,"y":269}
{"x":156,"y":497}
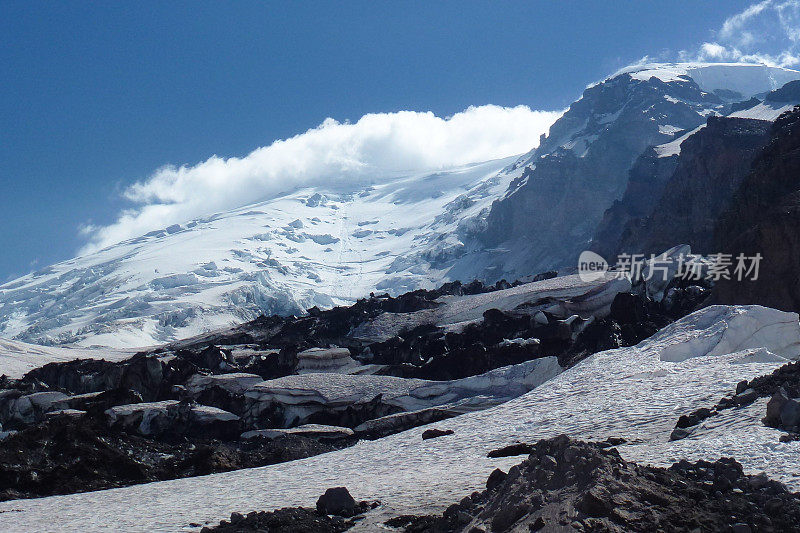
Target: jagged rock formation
{"x":553,"y":209}
{"x":709,"y":169}
{"x":567,"y":485}
{"x":582,"y":167}
{"x":764,"y":218}
{"x":65,"y":455}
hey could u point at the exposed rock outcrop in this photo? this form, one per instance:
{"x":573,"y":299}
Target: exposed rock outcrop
{"x":68,"y":455}
{"x":581,"y":168}
{"x":646,"y":181}
{"x":568,"y":485}
{"x":708,"y":171}
{"x":764,"y":218}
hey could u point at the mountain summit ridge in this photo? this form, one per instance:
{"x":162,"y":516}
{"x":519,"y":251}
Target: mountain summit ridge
{"x":327,"y":246}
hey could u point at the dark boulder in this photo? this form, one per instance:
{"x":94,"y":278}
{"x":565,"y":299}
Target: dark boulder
{"x":337,"y":501}
{"x":435,"y":433}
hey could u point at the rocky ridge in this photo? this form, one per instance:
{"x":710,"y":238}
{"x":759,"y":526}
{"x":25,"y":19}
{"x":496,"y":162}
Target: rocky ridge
{"x":568,"y":485}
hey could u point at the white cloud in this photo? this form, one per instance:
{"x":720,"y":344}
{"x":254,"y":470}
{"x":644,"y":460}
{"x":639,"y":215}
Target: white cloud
{"x":767,"y":32}
{"x":732,"y":28}
{"x":376,"y":146}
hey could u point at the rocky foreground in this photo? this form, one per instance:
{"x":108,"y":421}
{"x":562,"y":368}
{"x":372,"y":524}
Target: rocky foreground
{"x":569,"y":485}
{"x":279,"y":389}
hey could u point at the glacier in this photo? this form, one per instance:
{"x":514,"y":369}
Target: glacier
{"x":310,"y":247}
{"x":636,"y":393}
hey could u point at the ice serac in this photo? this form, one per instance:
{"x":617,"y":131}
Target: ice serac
{"x":173,"y":418}
{"x":299,"y":398}
{"x":632,"y":393}
{"x":719,"y":330}
{"x":551,"y":211}
{"x":562,"y":296}
{"x":326,"y":360}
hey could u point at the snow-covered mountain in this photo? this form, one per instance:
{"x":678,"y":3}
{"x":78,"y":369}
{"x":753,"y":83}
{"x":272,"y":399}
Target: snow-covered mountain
{"x":549,"y":215}
{"x":327,"y":246}
{"x":310,"y":247}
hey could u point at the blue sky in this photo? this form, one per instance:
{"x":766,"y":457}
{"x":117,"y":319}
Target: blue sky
{"x":96,"y":97}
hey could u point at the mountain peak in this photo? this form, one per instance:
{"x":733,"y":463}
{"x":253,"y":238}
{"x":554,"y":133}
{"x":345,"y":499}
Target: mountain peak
{"x":747,"y":79}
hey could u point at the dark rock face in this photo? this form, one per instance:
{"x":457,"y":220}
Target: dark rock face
{"x":764,"y":218}
{"x":786,"y":94}
{"x":709,"y":170}
{"x":555,"y":206}
{"x":288,"y":520}
{"x":568,"y":485}
{"x":65,"y":455}
{"x":646,"y":182}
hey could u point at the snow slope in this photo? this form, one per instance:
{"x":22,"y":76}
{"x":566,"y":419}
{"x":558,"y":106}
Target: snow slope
{"x":636,"y":393}
{"x":307,"y":247}
{"x":19,"y":358}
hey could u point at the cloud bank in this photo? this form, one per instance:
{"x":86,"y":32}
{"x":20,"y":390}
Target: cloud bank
{"x":767,"y":32}
{"x":377,"y":146}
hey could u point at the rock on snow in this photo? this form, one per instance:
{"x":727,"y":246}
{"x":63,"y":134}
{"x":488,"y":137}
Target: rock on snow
{"x":636,"y":393}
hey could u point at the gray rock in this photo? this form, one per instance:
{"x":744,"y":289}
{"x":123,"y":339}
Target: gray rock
{"x":741,"y":386}
{"x":774,"y":407}
{"x":549,"y":462}
{"x":680,"y":433}
{"x":496,"y":478}
{"x":790,"y":414}
{"x":435,"y":433}
{"x":746,"y":397}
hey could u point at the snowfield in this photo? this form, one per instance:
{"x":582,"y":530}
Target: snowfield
{"x":747,"y":80}
{"x":19,"y":358}
{"x":636,"y":393}
{"x":322,"y":247}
